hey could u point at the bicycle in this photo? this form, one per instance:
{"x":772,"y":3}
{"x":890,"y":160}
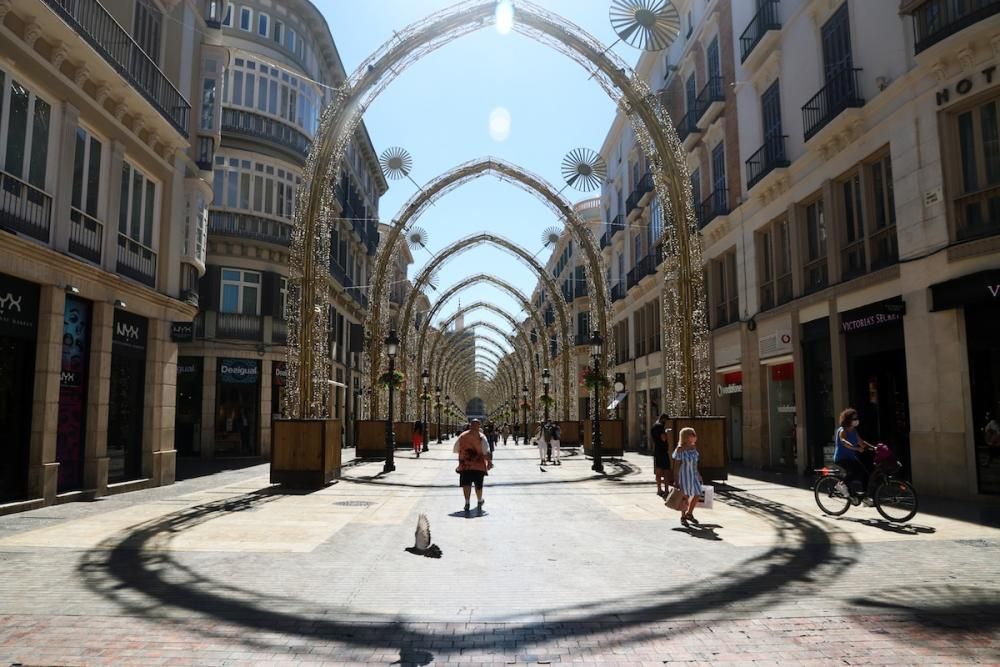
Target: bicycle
{"x":895,"y":499}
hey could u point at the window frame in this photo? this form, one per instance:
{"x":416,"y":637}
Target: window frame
{"x":241,"y":285}
{"x":821,"y":262}
{"x":958,"y":198}
{"x":127,"y":215}
{"x":100,"y":210}
{"x":248,"y":13}
{"x":9,"y":78}
{"x":263,"y":16}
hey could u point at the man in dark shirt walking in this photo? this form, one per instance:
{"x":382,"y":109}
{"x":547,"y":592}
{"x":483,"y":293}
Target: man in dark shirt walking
{"x":661,"y":455}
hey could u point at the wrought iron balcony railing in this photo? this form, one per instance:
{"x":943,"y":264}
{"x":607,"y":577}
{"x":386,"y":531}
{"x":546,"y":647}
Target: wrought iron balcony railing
{"x":842,"y":91}
{"x":247,"y":226}
{"x":206,"y":153}
{"x":24,"y":208}
{"x":715,"y":204}
{"x":765,"y":19}
{"x":86,"y":236}
{"x":256,"y":126}
{"x":279,"y":331}
{"x":769,"y":157}
{"x":617,"y":225}
{"x":936,"y":20}
{"x":136,"y":261}
{"x":237,"y":326}
{"x":606,"y":238}
{"x":99,"y":28}
{"x":618,"y":291}
{"x":688,"y":124}
{"x":713,"y":91}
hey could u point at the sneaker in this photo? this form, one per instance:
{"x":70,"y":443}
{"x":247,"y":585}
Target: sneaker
{"x":466,"y":511}
{"x":841,"y":489}
{"x":868,"y":502}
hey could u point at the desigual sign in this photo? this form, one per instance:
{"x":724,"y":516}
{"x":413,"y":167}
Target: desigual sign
{"x":238,"y":371}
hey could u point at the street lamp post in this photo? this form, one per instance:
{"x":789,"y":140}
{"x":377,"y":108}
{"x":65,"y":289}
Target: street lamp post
{"x":391,"y":347}
{"x":524,"y":411}
{"x":437,"y":402}
{"x":447,"y":401}
{"x":596,"y":350}
{"x":546,"y":379}
{"x":425,"y":380}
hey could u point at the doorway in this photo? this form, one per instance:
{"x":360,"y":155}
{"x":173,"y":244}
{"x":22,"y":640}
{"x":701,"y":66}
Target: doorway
{"x":187,"y":423}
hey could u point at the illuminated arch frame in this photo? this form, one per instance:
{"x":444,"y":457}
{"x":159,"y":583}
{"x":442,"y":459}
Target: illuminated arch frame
{"x":686,"y":378}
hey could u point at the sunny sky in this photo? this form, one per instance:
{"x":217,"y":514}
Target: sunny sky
{"x":439,"y":110}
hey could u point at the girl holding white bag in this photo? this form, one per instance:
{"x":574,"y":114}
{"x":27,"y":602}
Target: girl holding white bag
{"x":687,"y":477}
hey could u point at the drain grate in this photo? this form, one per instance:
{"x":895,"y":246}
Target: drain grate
{"x":354,"y":503}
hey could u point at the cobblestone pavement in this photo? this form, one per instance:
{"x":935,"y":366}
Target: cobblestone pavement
{"x":562,"y":567}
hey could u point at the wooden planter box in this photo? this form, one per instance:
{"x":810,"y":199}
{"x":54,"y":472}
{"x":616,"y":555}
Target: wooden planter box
{"x":404,"y":434}
{"x":371,"y":438}
{"x":612,"y":437}
{"x":569,"y":434}
{"x":305,"y":453}
{"x":713,"y":458}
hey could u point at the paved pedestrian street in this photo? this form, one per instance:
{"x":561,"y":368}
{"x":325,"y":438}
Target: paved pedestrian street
{"x":563,"y":566}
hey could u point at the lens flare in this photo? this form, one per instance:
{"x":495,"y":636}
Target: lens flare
{"x":505,"y":16}
{"x":499,"y":124}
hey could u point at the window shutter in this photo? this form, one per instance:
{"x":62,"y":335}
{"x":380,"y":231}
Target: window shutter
{"x":270,"y":294}
{"x":209,"y":287}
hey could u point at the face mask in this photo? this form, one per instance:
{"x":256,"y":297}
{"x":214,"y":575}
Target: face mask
{"x":855,"y":423}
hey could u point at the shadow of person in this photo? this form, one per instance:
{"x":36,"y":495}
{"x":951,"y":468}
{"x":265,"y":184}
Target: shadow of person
{"x":473,"y":514}
{"x":704,"y":531}
{"x":408,"y":657}
{"x":889,"y":526}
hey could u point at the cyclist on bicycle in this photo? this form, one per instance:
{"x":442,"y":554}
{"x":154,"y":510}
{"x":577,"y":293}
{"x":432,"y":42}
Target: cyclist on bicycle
{"x":849,"y":449}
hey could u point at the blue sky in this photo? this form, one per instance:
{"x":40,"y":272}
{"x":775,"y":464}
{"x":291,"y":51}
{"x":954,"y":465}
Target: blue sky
{"x":439,"y":111}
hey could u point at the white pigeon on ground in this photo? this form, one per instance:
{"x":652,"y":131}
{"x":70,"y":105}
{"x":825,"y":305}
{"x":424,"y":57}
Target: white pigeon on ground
{"x":422,"y":540}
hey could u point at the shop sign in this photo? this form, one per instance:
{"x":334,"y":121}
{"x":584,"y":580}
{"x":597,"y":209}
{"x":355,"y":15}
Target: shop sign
{"x":870,"y":317}
{"x":279,"y":376}
{"x":18,"y":307}
{"x":187,"y":368}
{"x":182,"y":332}
{"x":965,"y":85}
{"x":238,"y":371}
{"x":732,"y":383}
{"x":128,"y":333}
{"x":975,"y":289}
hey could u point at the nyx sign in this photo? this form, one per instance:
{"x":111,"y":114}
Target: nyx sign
{"x":129,"y":332}
{"x":182,"y":332}
{"x":18,"y":307}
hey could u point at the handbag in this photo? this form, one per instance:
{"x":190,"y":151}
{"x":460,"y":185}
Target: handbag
{"x":675,"y":500}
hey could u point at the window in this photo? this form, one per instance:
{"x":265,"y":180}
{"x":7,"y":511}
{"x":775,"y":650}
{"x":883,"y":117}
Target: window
{"x":227,"y":18}
{"x":86,"y":194}
{"x":208,"y":88}
{"x":691,"y":93}
{"x":146,"y":29}
{"x":852,"y":250}
{"x":883,"y":243}
{"x":815,"y":268}
{"x":268,"y":90}
{"x":240,"y":292}
{"x":636,"y":249}
{"x":283,"y":297}
{"x":655,"y":222}
{"x":246,"y":18}
{"x":290,"y":39}
{"x":278,"y":32}
{"x":725,"y":290}
{"x":977,"y":204}
{"x":138,"y":212}
{"x":774,"y":252}
{"x":24,"y":134}
{"x":262,"y":24}
{"x":696,"y":192}
{"x":720,"y":202}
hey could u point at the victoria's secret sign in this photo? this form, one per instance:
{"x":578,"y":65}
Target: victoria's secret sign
{"x":876,"y":315}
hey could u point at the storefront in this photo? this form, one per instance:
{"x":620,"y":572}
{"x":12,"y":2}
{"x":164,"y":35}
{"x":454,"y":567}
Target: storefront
{"x":817,"y":362}
{"x":979,"y":295}
{"x":187,"y":425}
{"x":729,"y":390}
{"x":237,"y":407}
{"x":781,"y":412}
{"x":279,"y":379}
{"x":126,"y":403}
{"x":876,"y":374}
{"x":70,"y":434}
{"x":18,"y":333}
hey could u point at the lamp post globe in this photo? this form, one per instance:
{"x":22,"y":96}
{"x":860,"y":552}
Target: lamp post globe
{"x":596,"y":350}
{"x":391,"y":348}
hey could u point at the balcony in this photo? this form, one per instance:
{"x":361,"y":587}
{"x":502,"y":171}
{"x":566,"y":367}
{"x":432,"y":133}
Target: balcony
{"x":936,"y":20}
{"x":279,"y":331}
{"x":237,"y":326}
{"x":339,"y":274}
{"x":632,"y":203}
{"x":24,"y":208}
{"x":264,"y":128}
{"x":136,"y":261}
{"x":710,"y":101}
{"x":618,"y":291}
{"x":763,"y":22}
{"x":100,"y":29}
{"x":644,"y":267}
{"x":582,"y":339}
{"x":842,"y":91}
{"x":715,"y":205}
{"x":251,"y":227}
{"x":644,"y":186}
{"x":688,"y":126}
{"x":977,"y":215}
{"x":769,"y":157}
{"x":86,"y":236}
{"x":606,"y":238}
{"x":617,"y":225}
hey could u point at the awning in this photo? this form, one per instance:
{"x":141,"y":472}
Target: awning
{"x":336,"y":384}
{"x":618,"y":399}
{"x":974,"y":289}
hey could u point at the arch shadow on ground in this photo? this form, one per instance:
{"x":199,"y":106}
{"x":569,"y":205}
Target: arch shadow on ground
{"x":136,"y":570}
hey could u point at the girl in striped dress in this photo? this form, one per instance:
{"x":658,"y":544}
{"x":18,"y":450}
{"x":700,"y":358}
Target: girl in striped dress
{"x":687,"y":476}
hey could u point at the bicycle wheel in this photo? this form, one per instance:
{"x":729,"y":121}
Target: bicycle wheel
{"x":828,"y":499}
{"x":896,"y":500}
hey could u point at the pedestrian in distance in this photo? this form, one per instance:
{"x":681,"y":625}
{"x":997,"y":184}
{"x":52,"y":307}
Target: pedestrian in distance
{"x":418,"y":437}
{"x":490,"y":431}
{"x":688,"y":479}
{"x":541,"y":441}
{"x":474,"y":461}
{"x":661,"y":455}
{"x":554,"y":433}
{"x":505,"y":432}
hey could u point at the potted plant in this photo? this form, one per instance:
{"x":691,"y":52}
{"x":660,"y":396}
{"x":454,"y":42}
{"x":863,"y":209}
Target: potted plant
{"x":593,"y":380}
{"x":392,"y":379}
{"x":547,"y":400}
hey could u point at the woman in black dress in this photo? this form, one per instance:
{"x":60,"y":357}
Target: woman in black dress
{"x":661,"y":455}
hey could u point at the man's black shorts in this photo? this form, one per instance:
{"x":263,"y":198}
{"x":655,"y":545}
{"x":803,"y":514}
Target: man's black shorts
{"x":470,"y":477}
